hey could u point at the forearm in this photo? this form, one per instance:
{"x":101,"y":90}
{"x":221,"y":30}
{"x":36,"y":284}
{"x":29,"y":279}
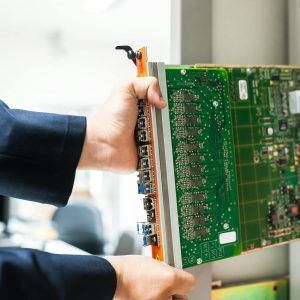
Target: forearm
{"x":31,"y":274}
{"x":39,"y":154}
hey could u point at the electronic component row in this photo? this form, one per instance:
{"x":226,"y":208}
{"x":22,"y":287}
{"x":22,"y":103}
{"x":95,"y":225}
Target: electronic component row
{"x":145,"y":177}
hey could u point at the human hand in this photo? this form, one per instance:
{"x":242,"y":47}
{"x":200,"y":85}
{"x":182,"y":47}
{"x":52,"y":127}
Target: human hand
{"x":109,"y":142}
{"x":140,"y":277}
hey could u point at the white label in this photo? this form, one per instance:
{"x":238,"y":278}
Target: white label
{"x":294,"y":102}
{"x":243,"y":89}
{"x":227,"y":237}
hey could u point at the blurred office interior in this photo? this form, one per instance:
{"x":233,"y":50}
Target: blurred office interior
{"x":59,"y":56}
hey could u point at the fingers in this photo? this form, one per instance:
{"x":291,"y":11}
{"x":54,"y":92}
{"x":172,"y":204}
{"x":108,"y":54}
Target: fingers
{"x":179,"y":297}
{"x":148,"y":88}
{"x":184,"y":283}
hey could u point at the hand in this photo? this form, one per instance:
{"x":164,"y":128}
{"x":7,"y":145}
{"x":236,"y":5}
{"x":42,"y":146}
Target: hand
{"x":109,"y":142}
{"x":140,"y":277}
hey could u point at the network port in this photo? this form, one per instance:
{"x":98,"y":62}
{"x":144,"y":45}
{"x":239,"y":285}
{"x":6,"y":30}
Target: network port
{"x":148,"y":203}
{"x":142,"y":123}
{"x":150,"y":240}
{"x":141,"y":109}
{"x":144,"y":163}
{"x":146,"y":228}
{"x":144,"y":150}
{"x":145,"y":188}
{"x":145,"y":176}
{"x":151,"y":215}
{"x":143,"y":136}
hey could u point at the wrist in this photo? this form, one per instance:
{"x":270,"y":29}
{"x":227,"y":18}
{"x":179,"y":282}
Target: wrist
{"x":95,"y":151}
{"x":116,"y":263}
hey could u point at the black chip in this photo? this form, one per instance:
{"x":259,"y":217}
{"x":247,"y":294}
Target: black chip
{"x":283,"y":125}
{"x":275,"y":76}
{"x":282,"y":161}
{"x":264,"y":151}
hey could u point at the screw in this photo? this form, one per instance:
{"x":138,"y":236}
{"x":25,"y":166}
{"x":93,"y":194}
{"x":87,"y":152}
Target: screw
{"x":138,"y":54}
{"x":226,"y":226}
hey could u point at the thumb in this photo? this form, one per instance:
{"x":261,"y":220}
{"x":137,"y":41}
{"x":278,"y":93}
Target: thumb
{"x":148,"y":88}
{"x":184,"y":283}
{"x":179,"y":297}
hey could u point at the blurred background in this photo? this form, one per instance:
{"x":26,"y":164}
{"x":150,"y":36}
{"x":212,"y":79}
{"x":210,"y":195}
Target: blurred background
{"x":59,"y":56}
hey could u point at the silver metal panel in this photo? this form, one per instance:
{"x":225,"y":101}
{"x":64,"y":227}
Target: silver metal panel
{"x":166,"y":237}
{"x":170,"y":173}
{"x":166,"y":188}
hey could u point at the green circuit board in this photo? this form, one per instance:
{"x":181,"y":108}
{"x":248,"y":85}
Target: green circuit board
{"x":236,"y":145}
{"x":266,"y":141}
{"x":204,"y":165}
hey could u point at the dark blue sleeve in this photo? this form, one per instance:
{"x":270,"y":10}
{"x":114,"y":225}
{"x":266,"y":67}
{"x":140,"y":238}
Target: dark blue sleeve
{"x":35,"y":275}
{"x":39,"y":153}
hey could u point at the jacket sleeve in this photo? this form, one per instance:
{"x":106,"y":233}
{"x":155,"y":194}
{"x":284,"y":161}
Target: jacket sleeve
{"x":31,"y":274}
{"x":39,"y":153}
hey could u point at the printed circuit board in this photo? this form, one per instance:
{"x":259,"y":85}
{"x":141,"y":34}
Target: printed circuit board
{"x":219,"y":167}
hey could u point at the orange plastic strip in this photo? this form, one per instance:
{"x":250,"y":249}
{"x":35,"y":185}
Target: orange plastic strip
{"x":142,"y":71}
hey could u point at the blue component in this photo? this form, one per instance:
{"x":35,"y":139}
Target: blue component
{"x":144,"y":240}
{"x":150,"y":188}
{"x":149,"y":230}
{"x":145,"y":188}
{"x":141,"y":188}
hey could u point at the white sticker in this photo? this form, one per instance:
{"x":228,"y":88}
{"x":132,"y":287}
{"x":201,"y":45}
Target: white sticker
{"x":227,"y":237}
{"x":243,"y":89}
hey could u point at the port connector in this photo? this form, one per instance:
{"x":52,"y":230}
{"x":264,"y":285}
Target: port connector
{"x":141,"y":109}
{"x":144,"y":151}
{"x":145,"y":188}
{"x":146,"y":228}
{"x":151,"y":215}
{"x":150,"y":240}
{"x":143,"y":136}
{"x":144,"y":163}
{"x":148,"y":203}
{"x":145,"y":176}
{"x":142,"y":123}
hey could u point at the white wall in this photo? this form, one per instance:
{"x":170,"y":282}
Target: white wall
{"x":60,"y":57}
{"x":249,"y":31}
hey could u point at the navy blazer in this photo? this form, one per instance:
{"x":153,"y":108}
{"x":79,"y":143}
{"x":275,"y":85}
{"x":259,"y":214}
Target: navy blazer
{"x":39,"y":153}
